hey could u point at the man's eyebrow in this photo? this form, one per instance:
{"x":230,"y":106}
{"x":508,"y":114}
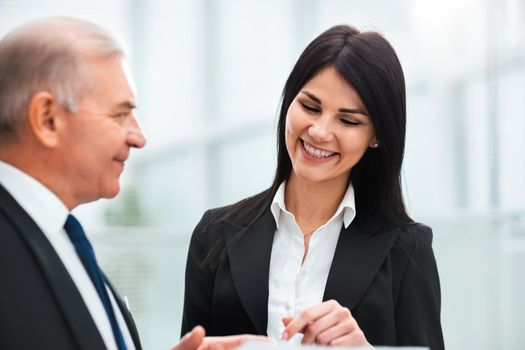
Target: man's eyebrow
{"x":127,"y":104}
{"x":342,"y":110}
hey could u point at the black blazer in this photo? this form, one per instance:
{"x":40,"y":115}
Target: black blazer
{"x":40,"y":306}
{"x":389,"y":281}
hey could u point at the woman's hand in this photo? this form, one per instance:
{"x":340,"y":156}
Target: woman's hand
{"x":327,"y":323}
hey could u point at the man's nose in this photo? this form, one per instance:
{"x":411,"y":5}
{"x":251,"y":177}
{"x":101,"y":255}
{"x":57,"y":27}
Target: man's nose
{"x":136,"y":138}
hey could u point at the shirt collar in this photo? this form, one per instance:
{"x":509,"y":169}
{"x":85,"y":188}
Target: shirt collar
{"x":278,"y":205}
{"x":347,"y":205}
{"x":42,"y":205}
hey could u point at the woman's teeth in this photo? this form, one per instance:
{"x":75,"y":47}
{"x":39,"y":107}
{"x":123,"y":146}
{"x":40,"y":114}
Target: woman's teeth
{"x":314,"y":152}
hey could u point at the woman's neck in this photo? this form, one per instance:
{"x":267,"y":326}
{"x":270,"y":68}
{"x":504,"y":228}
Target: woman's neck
{"x":313,"y":203}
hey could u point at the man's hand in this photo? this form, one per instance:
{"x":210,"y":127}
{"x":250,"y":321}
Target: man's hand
{"x":195,"y":340}
{"x":192,"y":340}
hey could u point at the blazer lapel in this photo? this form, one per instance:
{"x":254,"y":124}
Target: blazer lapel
{"x":249,"y":259}
{"x":358,"y":256}
{"x":126,"y":314}
{"x":67,"y":296}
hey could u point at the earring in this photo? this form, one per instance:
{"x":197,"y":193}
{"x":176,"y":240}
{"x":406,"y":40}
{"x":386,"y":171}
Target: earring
{"x":375,"y":145}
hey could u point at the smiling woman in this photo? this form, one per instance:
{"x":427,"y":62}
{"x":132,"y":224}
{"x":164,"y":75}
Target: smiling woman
{"x":327,"y":129}
{"x":328,"y":254}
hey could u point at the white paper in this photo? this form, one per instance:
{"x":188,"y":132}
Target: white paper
{"x":289,"y":346}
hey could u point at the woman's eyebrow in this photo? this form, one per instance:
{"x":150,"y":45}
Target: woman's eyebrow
{"x":353,"y":111}
{"x":312,"y":96}
{"x":342,"y":110}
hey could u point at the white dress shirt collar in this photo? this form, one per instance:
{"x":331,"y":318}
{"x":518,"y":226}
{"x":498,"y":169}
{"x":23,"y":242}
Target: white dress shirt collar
{"x":44,"y":207}
{"x":347,"y":205}
{"x":50,"y":214}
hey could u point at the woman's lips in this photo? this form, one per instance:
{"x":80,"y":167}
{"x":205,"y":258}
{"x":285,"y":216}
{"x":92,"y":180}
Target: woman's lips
{"x":315,"y":154}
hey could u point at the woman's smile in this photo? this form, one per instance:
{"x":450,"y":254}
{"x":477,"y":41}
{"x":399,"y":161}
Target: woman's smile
{"x":312,"y":153}
{"x":327,"y":129}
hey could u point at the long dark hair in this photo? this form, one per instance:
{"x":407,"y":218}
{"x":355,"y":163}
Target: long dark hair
{"x":370,"y":65}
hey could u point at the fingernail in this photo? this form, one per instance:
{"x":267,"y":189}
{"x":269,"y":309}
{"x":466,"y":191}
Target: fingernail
{"x":284,"y":336}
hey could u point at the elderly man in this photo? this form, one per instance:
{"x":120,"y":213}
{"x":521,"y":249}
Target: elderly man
{"x":66,"y":129}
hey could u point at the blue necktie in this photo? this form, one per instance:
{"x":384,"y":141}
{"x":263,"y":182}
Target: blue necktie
{"x":87,"y":256}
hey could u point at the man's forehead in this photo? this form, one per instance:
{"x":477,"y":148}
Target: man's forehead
{"x":129,"y":76}
{"x":112,"y":83}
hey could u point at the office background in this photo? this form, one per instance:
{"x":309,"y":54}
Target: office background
{"x":209,"y":76}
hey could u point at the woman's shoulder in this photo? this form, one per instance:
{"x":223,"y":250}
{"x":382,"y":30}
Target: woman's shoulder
{"x":416,"y":234}
{"x":415,"y":244}
{"x":208,"y":236}
{"x":237,"y":213}
{"x":409,"y":233}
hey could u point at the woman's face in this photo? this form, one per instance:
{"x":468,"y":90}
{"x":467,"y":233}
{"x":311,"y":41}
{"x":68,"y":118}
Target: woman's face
{"x":327,"y":129}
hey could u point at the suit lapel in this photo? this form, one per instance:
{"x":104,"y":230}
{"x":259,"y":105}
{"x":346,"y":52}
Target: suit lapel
{"x":249,"y":259}
{"x":357,"y":259}
{"x":358,"y":256}
{"x":126,"y":314}
{"x":67,"y":296}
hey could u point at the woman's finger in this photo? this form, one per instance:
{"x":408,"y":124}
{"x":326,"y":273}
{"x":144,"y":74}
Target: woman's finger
{"x":307,"y":316}
{"x":341,"y":329}
{"x":323,"y":324}
{"x":286,"y":319}
{"x":356,"y":338}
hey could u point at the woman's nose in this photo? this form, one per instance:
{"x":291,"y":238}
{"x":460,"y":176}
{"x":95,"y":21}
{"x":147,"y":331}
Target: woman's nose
{"x":320,"y":130}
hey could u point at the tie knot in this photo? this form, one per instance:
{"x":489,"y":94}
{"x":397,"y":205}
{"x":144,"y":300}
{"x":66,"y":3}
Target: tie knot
{"x":74,"y":229}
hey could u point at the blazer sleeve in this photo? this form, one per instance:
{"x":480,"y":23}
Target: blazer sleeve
{"x":198,"y":289}
{"x":418,"y":305}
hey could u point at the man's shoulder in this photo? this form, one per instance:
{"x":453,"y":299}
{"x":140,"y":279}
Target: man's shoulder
{"x":9,"y":208}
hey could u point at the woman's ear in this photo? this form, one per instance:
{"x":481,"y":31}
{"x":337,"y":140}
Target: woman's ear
{"x":43,"y":113}
{"x":374,"y":143}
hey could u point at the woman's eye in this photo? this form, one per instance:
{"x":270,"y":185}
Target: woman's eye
{"x":349,"y":122}
{"x":309,"y":108}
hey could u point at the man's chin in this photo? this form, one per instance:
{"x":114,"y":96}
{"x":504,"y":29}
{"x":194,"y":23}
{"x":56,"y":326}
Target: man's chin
{"x":111,"y":192}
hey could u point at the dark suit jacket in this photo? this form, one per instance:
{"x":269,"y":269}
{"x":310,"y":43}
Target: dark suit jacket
{"x":40,"y":306}
{"x":389,"y":281}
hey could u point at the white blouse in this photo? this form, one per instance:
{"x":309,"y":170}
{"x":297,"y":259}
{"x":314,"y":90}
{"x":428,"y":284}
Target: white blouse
{"x":293,"y":286}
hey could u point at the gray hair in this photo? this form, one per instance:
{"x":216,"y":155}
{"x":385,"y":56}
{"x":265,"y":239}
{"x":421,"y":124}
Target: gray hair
{"x":48,"y":55}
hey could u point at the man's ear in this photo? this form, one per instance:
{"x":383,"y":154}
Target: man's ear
{"x":44,"y":118}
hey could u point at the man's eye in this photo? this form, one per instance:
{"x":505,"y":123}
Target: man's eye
{"x":309,"y":108}
{"x":122,"y":115}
